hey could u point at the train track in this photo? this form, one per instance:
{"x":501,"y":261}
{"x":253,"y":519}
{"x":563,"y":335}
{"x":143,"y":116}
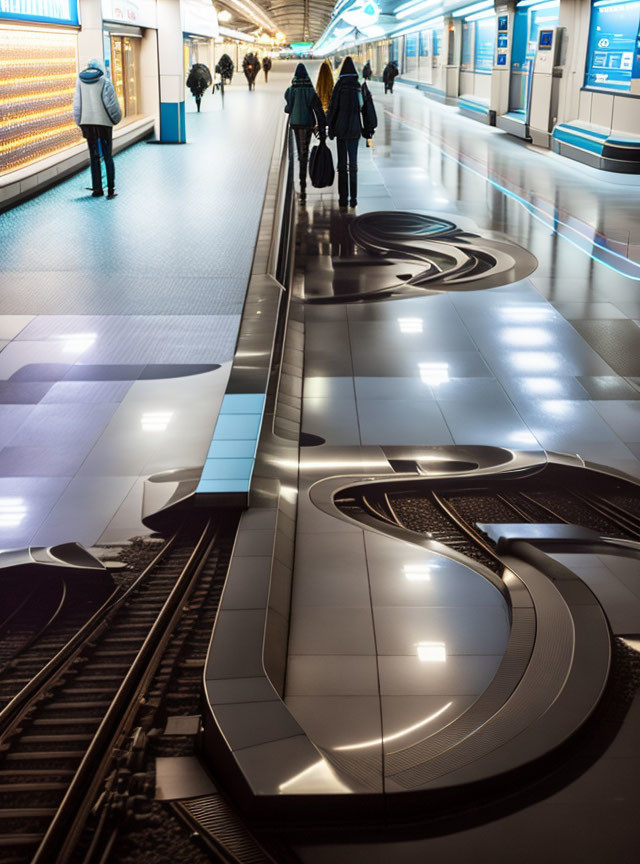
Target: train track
{"x":136,"y":662}
{"x":448,"y":510}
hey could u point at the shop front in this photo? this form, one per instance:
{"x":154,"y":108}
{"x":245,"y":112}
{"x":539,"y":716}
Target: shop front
{"x":129,"y":44}
{"x":38,"y":46}
{"x":200,"y":30}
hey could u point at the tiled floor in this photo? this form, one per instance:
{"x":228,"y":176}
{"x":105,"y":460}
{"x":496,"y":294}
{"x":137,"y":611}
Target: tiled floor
{"x":544,"y":363}
{"x":118,"y":322}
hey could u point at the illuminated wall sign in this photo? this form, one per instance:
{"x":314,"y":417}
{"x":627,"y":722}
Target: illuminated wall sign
{"x":139,"y":13}
{"x":301,"y":47}
{"x":199,"y":17}
{"x":612,"y":43}
{"x":49,"y":11}
{"x":361,"y":14}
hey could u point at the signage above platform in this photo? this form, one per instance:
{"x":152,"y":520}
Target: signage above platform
{"x":138,"y":13}
{"x":47,"y":11}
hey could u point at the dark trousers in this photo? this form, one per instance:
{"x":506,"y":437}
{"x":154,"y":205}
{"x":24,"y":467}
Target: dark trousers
{"x":99,"y":138}
{"x":303,"y":139}
{"x":348,"y":169}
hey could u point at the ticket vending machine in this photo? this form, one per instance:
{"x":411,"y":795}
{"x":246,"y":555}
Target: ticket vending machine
{"x":545,"y":85}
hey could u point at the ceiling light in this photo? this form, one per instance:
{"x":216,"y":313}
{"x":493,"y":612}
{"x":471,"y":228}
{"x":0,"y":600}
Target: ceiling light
{"x":224,"y":15}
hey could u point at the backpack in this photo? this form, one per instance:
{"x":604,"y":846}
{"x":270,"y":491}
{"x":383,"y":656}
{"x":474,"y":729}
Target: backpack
{"x":321,"y":169}
{"x":369,"y":116}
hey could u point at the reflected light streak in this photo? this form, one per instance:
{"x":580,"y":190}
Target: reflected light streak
{"x":542,"y":386}
{"x":12,"y":512}
{"x":417,"y":572}
{"x":434,"y":373}
{"x":528,"y":314}
{"x":431,"y":652}
{"x":527,"y":337}
{"x":77,"y":343}
{"x":377,"y":741}
{"x":410,"y":325}
{"x":534,"y":361}
{"x":155,"y":421}
{"x":316,"y":778}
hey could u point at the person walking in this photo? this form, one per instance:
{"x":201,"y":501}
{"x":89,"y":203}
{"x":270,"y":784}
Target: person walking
{"x":224,"y":68}
{"x":325,"y":84}
{"x":198,"y":81}
{"x":389,"y":75}
{"x":367,"y":72}
{"x":251,"y":67}
{"x":96,"y":111}
{"x":266,"y":67}
{"x":304,"y":108}
{"x":344,"y":122}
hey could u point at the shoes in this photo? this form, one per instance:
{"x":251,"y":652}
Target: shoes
{"x":96,"y":194}
{"x":303,"y":198}
{"x":342,"y":204}
{"x":353,"y":203}
{"x":111,"y":194}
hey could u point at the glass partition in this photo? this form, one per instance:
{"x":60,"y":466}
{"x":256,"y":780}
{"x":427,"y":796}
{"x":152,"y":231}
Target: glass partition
{"x":529,"y":19}
{"x":613,"y":36}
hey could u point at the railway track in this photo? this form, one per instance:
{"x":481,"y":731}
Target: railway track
{"x":447,"y":510}
{"x":59,"y":733}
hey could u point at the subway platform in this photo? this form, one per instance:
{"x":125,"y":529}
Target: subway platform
{"x":119,"y":320}
{"x":427,"y":637}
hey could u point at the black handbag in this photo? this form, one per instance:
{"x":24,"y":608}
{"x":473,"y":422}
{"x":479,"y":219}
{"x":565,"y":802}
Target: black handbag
{"x":321,"y":171}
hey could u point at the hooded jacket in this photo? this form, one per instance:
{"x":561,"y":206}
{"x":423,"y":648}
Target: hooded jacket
{"x":390,"y":73}
{"x":367,"y":72}
{"x":95,"y":102}
{"x":302,"y":103}
{"x":250,"y":66}
{"x":346,"y":104}
{"x":266,"y":64}
{"x":199,"y":79}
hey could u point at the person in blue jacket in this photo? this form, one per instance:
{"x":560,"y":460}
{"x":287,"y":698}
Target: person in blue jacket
{"x":344,"y":122}
{"x":96,"y":111}
{"x":304,"y":108}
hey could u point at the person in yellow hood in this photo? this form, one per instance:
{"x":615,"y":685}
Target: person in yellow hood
{"x":324,"y":84}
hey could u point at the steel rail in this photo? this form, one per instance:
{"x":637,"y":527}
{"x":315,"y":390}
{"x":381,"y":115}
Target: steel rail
{"x":66,"y":827}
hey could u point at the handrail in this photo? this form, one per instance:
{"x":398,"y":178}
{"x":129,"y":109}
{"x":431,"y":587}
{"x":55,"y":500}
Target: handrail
{"x":66,"y":826}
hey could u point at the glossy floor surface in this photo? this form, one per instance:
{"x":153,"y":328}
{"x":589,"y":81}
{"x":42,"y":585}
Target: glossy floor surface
{"x":550,"y":362}
{"x":119,"y":321}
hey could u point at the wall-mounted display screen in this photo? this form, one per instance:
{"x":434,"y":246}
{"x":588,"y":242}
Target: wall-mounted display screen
{"x":503,"y":23}
{"x":545,"y":40}
{"x":411,"y":46}
{"x":502,"y":59}
{"x":612,"y":42}
{"x":503,"y":40}
{"x":48,"y":11}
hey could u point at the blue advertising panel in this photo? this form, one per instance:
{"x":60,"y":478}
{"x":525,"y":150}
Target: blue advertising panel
{"x":613,"y":36}
{"x":48,"y":11}
{"x":412,"y":46}
{"x":424,"y":43}
{"x":485,"y":44}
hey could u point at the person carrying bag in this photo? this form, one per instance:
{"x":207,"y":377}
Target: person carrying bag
{"x":304,"y":109}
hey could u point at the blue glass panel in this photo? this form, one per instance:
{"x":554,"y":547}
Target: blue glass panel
{"x":237,"y":427}
{"x":612,"y":42}
{"x":485,"y":44}
{"x":242,"y":403}
{"x":48,"y":11}
{"x":233,"y":449}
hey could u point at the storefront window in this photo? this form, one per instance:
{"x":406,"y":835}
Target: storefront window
{"x":485,"y":43}
{"x":613,"y":37}
{"x":424,"y":43}
{"x":468,"y":35}
{"x":124,"y":63}
{"x":37,"y":81}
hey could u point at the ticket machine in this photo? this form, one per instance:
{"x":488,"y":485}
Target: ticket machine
{"x":545,"y":85}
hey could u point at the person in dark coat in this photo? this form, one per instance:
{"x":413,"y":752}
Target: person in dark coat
{"x":224,"y":68}
{"x":198,"y":81}
{"x":266,"y":67}
{"x":251,"y":67}
{"x":344,"y":122}
{"x":305,"y":112}
{"x":367,"y":72}
{"x":389,"y":75}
